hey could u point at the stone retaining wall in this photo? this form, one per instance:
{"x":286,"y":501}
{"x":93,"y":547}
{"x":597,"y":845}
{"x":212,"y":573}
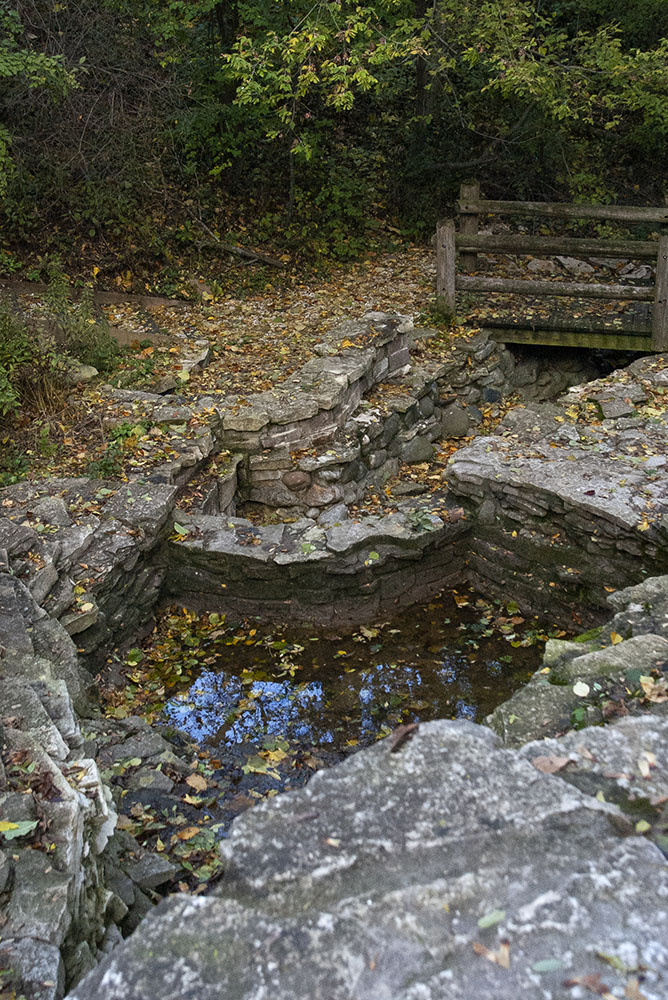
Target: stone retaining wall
{"x":570,"y":501}
{"x":71,"y":883}
{"x":85,"y":562}
{"x":391,"y":427}
{"x":336,"y":571}
{"x":54,"y":904}
{"x":89,"y":551}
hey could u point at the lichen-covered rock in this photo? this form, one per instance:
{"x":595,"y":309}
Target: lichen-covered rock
{"x":449,"y":869}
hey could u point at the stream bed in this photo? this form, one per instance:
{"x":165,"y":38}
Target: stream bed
{"x":250,"y":710}
{"x":272,"y":703}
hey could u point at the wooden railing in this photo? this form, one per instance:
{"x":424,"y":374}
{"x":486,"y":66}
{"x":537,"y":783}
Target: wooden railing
{"x":468,"y":242}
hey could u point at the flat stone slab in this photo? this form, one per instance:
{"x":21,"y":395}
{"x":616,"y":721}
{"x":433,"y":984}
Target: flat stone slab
{"x":446,"y":870}
{"x":626,"y":763}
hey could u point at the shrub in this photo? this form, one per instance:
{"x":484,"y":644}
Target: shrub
{"x":76,"y":328}
{"x":32,"y":375}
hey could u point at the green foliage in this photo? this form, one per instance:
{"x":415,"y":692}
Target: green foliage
{"x":320,"y":121}
{"x":77,"y":329}
{"x":32,"y":373}
{"x":23,"y":68}
{"x":110,"y":463}
{"x":16,"y":353}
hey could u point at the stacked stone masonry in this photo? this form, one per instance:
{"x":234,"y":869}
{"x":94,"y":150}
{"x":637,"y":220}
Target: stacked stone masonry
{"x":556,"y":510}
{"x":570,"y":500}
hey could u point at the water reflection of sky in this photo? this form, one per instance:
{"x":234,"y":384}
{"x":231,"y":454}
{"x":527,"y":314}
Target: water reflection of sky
{"x":337,"y":705}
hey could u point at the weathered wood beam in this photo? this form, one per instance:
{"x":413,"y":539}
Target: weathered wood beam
{"x":445,"y":264}
{"x":469,"y":193}
{"x":551,"y":245}
{"x":562,"y":210}
{"x":577,"y":289}
{"x":564,"y":338}
{"x":555,"y":324}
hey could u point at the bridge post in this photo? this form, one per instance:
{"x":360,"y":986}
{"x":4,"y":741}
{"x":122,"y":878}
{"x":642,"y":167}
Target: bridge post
{"x":446,"y":265}
{"x":660,"y":308}
{"x":469,"y":193}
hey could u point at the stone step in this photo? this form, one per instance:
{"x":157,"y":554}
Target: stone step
{"x":394,"y":422}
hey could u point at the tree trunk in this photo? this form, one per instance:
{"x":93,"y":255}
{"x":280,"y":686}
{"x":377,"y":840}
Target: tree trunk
{"x":227,"y":20}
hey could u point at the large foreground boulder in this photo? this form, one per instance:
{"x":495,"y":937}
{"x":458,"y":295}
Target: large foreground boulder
{"x":448,"y":869}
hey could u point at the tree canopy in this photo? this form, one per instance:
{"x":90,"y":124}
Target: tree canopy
{"x":317,"y":118}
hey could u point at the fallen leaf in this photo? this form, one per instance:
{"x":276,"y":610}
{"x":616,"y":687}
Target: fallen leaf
{"x":632,"y":991}
{"x":197,"y":782}
{"x":655,"y":691}
{"x":612,"y":960}
{"x":401,"y":735}
{"x":550,"y":764}
{"x":581,"y":689}
{"x":593,"y":984}
{"x":188,"y":832}
{"x":21,"y":828}
{"x":547,"y":965}
{"x":492,"y":918}
{"x":500,"y":957}
{"x":643,"y":767}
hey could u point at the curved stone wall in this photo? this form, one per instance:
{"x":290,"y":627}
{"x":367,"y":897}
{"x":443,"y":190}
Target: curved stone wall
{"x":335,"y":571}
{"x":563,"y":505}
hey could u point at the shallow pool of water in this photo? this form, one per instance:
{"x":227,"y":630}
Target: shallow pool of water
{"x":289,"y":699}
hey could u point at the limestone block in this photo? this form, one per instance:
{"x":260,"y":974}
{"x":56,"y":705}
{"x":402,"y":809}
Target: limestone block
{"x":420,"y":449}
{"x":53,"y":510}
{"x":455,"y":421}
{"x":20,"y":708}
{"x":386,"y":886}
{"x":642,"y":652}
{"x":35,"y":965}
{"x":16,"y":538}
{"x":151,"y":871}
{"x":296,"y":480}
{"x":39,"y":906}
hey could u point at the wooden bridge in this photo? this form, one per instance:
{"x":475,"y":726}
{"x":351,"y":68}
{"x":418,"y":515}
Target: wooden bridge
{"x":648,"y":335}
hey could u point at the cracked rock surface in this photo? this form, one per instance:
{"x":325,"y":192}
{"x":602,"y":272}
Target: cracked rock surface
{"x":420,"y":875}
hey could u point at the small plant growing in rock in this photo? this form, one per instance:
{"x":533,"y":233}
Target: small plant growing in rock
{"x":76,"y":328}
{"x":121,"y":439}
{"x":419,"y":520}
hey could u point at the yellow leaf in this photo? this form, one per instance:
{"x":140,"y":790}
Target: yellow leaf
{"x":188,"y":833}
{"x":615,"y":638}
{"x":500,"y":957}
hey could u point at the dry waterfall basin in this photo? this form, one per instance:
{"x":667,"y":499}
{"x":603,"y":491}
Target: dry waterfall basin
{"x":523,"y":858}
